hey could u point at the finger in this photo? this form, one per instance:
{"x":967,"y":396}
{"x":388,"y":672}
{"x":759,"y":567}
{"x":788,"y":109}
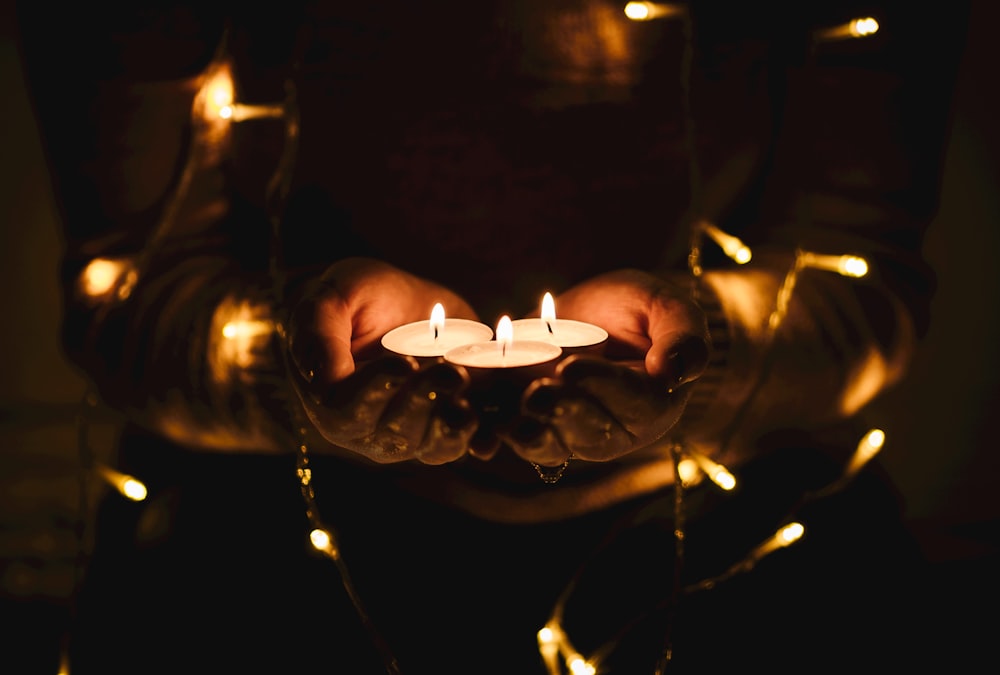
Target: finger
{"x":646,"y":407}
{"x":584,"y":426}
{"x":405,"y":420}
{"x":348,"y":411}
{"x":449,"y":433}
{"x":678,"y":358}
{"x":631,"y":397}
{"x":537,"y":442}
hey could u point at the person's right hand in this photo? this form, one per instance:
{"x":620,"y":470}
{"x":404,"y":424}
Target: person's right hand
{"x":386,"y":408}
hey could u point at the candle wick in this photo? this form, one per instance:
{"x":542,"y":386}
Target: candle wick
{"x":548,"y":324}
{"x":503,"y":350}
{"x":435,"y":332}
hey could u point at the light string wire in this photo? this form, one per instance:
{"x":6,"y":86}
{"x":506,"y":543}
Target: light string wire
{"x":792,"y":530}
{"x":120,"y":290}
{"x":323,"y":536}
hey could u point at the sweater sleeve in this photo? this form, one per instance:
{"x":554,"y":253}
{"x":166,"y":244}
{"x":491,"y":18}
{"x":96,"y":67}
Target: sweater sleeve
{"x":169,"y":304}
{"x":853,"y":169}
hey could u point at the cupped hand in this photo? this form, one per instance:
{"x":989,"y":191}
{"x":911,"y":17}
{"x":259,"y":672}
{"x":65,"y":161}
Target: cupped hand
{"x":598,"y":408}
{"x":386,"y":407}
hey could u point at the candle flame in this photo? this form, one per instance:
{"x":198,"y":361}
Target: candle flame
{"x":505,"y":333}
{"x":548,"y":311}
{"x":437,"y":320}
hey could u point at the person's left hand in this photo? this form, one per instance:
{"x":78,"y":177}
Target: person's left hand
{"x":600,"y":408}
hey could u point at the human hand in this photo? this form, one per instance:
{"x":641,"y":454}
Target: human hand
{"x":386,"y":408}
{"x":600,"y":408}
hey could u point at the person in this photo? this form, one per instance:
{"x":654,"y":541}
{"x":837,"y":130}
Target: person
{"x":364,"y":162}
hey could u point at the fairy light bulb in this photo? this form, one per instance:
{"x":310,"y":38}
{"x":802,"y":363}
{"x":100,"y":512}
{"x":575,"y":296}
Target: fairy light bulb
{"x":864,"y":27}
{"x":869,"y":446}
{"x":244,"y":330}
{"x":716,"y":472}
{"x":861,"y":27}
{"x":323,"y":542}
{"x":730,"y":245}
{"x":579,"y":666}
{"x":218,"y":94}
{"x":784,"y":537}
{"x":235,"y":330}
{"x":688,"y":471}
{"x":646,"y":11}
{"x":128,"y":486}
{"x":637,"y":11}
{"x":844,"y":265}
{"x":105,"y":278}
{"x":790,"y":534}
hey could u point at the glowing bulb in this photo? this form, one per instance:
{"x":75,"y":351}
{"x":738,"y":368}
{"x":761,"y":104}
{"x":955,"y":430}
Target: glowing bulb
{"x":546,"y":636}
{"x":732,"y":246}
{"x":723,"y":478}
{"x":874,"y":440}
{"x":134,"y":490}
{"x":579,"y":666}
{"x":322,"y":541}
{"x":637,"y":11}
{"x":128,"y":486}
{"x":246,"y":329}
{"x":645,"y":11}
{"x":845,"y":265}
{"x":218,"y":94}
{"x":853,"y":266}
{"x":864,"y":27}
{"x":100,"y":275}
{"x":687,"y":469}
{"x":719,"y":474}
{"x":437,"y":320}
{"x":790,"y":533}
{"x":856,"y":28}
{"x":868,"y":447}
{"x":785,"y":536}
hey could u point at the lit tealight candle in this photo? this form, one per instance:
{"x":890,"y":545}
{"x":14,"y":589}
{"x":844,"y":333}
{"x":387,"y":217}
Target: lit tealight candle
{"x":435,"y":336}
{"x":566,"y":333}
{"x":504,"y":352}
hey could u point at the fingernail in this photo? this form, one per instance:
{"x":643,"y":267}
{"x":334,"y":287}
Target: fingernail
{"x":688,"y":360}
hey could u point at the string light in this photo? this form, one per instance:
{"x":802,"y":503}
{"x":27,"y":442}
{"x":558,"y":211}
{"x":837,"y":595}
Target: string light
{"x":856,"y":28}
{"x":869,"y":446}
{"x":718,"y":474}
{"x":647,"y":11}
{"x":784,"y":537}
{"x":844,"y":265}
{"x":689,"y":472}
{"x":553,"y":642}
{"x":128,"y":486}
{"x":323,"y":542}
{"x":852,"y":266}
{"x":104,"y":278}
{"x":240,"y":112}
{"x":730,"y":245}
{"x":245,"y":329}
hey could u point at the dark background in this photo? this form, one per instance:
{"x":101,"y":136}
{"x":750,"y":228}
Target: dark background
{"x":941,"y":446}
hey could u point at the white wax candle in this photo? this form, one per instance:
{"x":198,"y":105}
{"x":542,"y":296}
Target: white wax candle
{"x":504,"y":352}
{"x":435,"y":336}
{"x":563,"y":332}
{"x":492,"y":354}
